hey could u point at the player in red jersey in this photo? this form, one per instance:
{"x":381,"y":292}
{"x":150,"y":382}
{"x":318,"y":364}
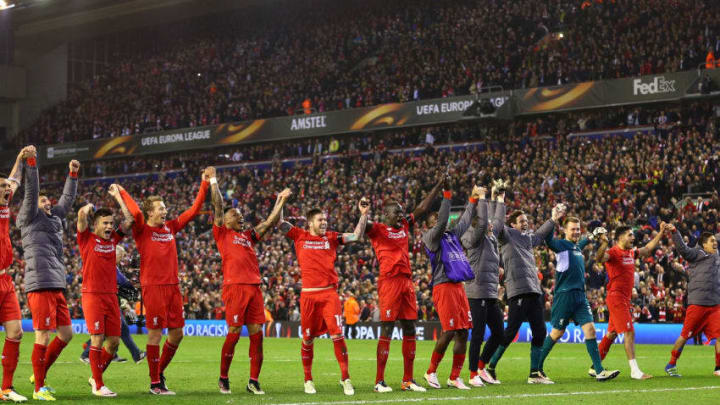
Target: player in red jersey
{"x":396,"y":292}
{"x":320,"y":308}
{"x":155,"y":239}
{"x":241,"y":294}
{"x":620,"y":264}
{"x":99,"y":285}
{"x":10,"y":315}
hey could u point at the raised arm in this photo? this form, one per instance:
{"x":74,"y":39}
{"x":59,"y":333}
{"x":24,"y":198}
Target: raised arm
{"x":134,"y":209}
{"x":82,"y":217}
{"x":191,"y":212}
{"x":601,"y":255}
{"x":128,"y":219}
{"x":217,"y":198}
{"x":498,"y":216}
{"x":271,"y":220}
{"x":356,"y":236}
{"x":465,"y":220}
{"x":689,"y":254}
{"x":67,"y":199}
{"x":15,"y":176}
{"x":472,"y":236}
{"x":426,"y":203}
{"x":432,"y":237}
{"x":545,"y":232}
{"x":29,"y":208}
{"x":648,"y":249}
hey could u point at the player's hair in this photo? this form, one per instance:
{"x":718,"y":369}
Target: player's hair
{"x":574,"y":220}
{"x":514,"y":216}
{"x":102,"y":212}
{"x":433,"y":214}
{"x":390,"y":203}
{"x":311,"y":214}
{"x":4,"y":175}
{"x":620,"y":230}
{"x":704,"y":237}
{"x":149,"y":204}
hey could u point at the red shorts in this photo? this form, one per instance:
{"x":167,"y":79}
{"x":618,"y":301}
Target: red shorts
{"x":163,"y":306}
{"x":102,"y":313}
{"x":621,"y":320}
{"x":243,"y":304}
{"x":452,"y":306}
{"x":9,"y":306}
{"x":397,"y":299}
{"x":704,"y":319}
{"x":320,"y":313}
{"x":49,"y":309}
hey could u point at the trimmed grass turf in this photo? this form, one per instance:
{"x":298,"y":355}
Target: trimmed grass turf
{"x":194,"y":372}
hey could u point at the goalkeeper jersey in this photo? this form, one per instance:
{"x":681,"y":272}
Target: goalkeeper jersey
{"x":570,"y":266}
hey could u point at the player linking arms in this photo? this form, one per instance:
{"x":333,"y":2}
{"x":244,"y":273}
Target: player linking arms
{"x":396,"y":291}
{"x":41,"y":227}
{"x":703,"y":312}
{"x":569,"y":300}
{"x":99,"y":285}
{"x":620,"y":265}
{"x":448,"y":261}
{"x":236,"y":240}
{"x":320,"y":309}
{"x":481,"y":243}
{"x":155,"y":239}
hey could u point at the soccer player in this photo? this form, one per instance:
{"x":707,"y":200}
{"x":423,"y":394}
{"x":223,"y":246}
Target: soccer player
{"x":99,"y":285}
{"x":703,"y":312}
{"x":320,"y":308}
{"x":126,"y":291}
{"x":569,"y":300}
{"x":10,"y":315}
{"x":620,"y":265}
{"x":481,"y":243}
{"x":522,"y":285}
{"x":243,"y":299}
{"x":41,"y":227}
{"x":396,"y":291}
{"x":155,"y":239}
{"x":446,"y":255}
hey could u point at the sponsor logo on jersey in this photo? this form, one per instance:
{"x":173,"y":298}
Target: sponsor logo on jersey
{"x":316,"y":244}
{"x":241,"y":240}
{"x":162,"y":237}
{"x":396,"y":235}
{"x":104,"y":248}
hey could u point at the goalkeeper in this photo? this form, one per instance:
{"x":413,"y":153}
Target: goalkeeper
{"x":126,"y":292}
{"x":569,"y":300}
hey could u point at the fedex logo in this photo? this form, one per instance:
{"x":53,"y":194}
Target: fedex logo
{"x":657,"y":85}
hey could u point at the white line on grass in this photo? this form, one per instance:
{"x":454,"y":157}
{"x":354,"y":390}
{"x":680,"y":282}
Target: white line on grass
{"x":511,"y":396}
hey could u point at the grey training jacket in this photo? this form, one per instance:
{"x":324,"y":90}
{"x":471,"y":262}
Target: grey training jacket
{"x":483,"y":253}
{"x":42,"y":234}
{"x":704,"y":271}
{"x":516,"y":249}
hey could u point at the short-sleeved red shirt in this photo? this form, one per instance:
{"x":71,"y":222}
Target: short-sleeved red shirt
{"x":316,"y":256}
{"x":391,"y":247}
{"x":98,"y":262}
{"x":621,"y":271}
{"x":239,"y":260}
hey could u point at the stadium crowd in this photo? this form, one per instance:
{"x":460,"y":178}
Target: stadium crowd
{"x":638,"y":180}
{"x":254,"y":62}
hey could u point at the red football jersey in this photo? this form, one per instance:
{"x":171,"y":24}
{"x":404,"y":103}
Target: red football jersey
{"x":6,"y":253}
{"x":316,"y":256}
{"x":621,"y":271}
{"x":158,"y":253}
{"x":98,"y":262}
{"x":239,"y":260}
{"x":391,"y":247}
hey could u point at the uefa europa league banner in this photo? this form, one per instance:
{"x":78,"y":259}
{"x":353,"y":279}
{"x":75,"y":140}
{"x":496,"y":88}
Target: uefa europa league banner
{"x":652,"y":88}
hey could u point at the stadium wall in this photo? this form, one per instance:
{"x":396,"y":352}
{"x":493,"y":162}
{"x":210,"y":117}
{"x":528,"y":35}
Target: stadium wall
{"x":644,"y":333}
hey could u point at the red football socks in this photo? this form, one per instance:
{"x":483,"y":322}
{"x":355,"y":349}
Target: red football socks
{"x":10,"y":354}
{"x":604,"y":346}
{"x":53,"y":352}
{"x":153,"y":359}
{"x":168,"y":353}
{"x":408,"y":351}
{"x":435,"y":361}
{"x":341,"y":356}
{"x":383,"y":351}
{"x":228,"y":351}
{"x":256,"y":355}
{"x":307,"y":358}
{"x":38,"y":363}
{"x":457,"y":364}
{"x":96,"y":366}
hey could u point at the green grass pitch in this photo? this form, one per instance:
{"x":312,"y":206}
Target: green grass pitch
{"x":194,"y":371}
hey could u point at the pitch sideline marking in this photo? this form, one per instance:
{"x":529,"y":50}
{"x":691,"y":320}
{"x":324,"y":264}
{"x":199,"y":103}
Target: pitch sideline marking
{"x":510,"y":396}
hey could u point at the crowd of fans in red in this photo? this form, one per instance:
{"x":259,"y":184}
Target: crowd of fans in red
{"x":270,"y":60}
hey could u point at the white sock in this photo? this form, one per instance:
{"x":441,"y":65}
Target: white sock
{"x":634,"y":369}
